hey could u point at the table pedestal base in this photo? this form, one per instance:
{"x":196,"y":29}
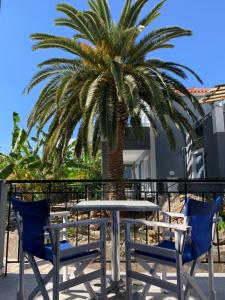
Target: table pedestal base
{"x":117,"y":287}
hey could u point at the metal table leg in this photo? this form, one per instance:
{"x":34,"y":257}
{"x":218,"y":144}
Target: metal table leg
{"x":115,"y":283}
{"x":115,"y":234}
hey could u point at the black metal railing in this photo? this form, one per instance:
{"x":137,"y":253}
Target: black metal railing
{"x":64,"y":194}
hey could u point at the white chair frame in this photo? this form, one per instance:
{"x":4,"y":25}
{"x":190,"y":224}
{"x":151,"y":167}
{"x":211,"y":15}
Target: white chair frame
{"x":63,"y":233}
{"x":54,"y":231}
{"x":181,"y":233}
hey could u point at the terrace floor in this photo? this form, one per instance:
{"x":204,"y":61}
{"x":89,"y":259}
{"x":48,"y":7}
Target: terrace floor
{"x":8,"y":286}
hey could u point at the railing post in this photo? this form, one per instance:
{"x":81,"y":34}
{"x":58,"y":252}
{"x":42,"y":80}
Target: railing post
{"x":3,"y":202}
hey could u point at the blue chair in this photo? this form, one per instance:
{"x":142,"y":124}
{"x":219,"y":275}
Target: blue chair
{"x":33,"y":220}
{"x":192,"y":239}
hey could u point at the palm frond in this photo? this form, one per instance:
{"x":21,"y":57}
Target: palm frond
{"x":76,"y":20}
{"x":134,"y":13}
{"x":152,"y":15}
{"x":156,"y":40}
{"x":109,"y":75}
{"x":104,"y":12}
{"x":124,"y":14}
{"x":117,"y":73}
{"x":66,"y":44}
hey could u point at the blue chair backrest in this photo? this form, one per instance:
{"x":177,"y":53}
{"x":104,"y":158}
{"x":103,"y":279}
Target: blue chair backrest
{"x":34,"y":216}
{"x":201,"y":219}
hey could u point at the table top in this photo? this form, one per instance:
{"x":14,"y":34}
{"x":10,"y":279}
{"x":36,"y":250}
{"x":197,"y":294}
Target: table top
{"x":111,"y":205}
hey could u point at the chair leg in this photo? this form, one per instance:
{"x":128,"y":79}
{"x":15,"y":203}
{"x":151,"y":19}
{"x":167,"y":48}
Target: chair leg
{"x":180,"y":277}
{"x":20,"y":293}
{"x":164,"y":277}
{"x":56,"y":264}
{"x":144,"y":292}
{"x":152,"y":272}
{"x":35,"y":291}
{"x":103,"y":267}
{"x":128,"y":285}
{"x":40,"y":281}
{"x":56,"y":281}
{"x":65,"y":273}
{"x":128,"y":264}
{"x":192,"y":274}
{"x":79,"y":271}
{"x":103,"y":287}
{"x":212,"y":293}
{"x":192,"y":282}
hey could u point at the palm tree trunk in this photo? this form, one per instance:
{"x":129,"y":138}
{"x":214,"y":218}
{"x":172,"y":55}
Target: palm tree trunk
{"x":115,"y":167}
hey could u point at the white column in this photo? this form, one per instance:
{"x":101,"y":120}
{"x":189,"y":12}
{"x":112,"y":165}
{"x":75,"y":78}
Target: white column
{"x":3,"y":201}
{"x":153,"y":173}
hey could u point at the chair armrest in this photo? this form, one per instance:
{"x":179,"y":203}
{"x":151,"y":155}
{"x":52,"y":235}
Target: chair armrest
{"x":176,"y":227}
{"x":60,"y":214}
{"x":76,"y":224}
{"x":173,"y":214}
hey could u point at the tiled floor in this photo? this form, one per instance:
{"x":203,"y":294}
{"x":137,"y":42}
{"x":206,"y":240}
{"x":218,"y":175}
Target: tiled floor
{"x":8,"y":287}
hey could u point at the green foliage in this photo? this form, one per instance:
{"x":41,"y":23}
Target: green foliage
{"x":84,"y":168}
{"x":71,"y":231}
{"x":221,"y":224}
{"x":6,"y":170}
{"x":110,"y":66}
{"x":25,"y":162}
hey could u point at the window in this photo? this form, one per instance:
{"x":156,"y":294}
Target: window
{"x":140,"y":169}
{"x":198,"y":164}
{"x":127,"y":172}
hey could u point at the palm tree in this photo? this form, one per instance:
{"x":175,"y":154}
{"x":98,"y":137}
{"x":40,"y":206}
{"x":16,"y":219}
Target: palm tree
{"x":109,"y":80}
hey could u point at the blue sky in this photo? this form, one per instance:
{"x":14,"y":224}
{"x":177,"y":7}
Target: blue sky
{"x":204,"y":52}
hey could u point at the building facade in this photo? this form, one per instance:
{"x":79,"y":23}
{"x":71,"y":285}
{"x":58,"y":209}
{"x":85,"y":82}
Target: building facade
{"x":149,"y":155}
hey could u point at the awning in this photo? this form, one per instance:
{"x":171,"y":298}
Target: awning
{"x":215,"y":94}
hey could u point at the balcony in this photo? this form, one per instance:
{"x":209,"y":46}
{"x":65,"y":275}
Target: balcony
{"x":63,"y":195}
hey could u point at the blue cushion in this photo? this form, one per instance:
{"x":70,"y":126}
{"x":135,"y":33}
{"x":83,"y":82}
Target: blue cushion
{"x":187,"y":255}
{"x":64,"y":245}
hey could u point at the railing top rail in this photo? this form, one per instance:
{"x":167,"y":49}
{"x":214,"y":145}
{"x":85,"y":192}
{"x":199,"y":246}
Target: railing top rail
{"x":208,"y":180}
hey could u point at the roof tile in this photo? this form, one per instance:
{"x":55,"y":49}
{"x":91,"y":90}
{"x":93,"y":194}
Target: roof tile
{"x":199,"y":90}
